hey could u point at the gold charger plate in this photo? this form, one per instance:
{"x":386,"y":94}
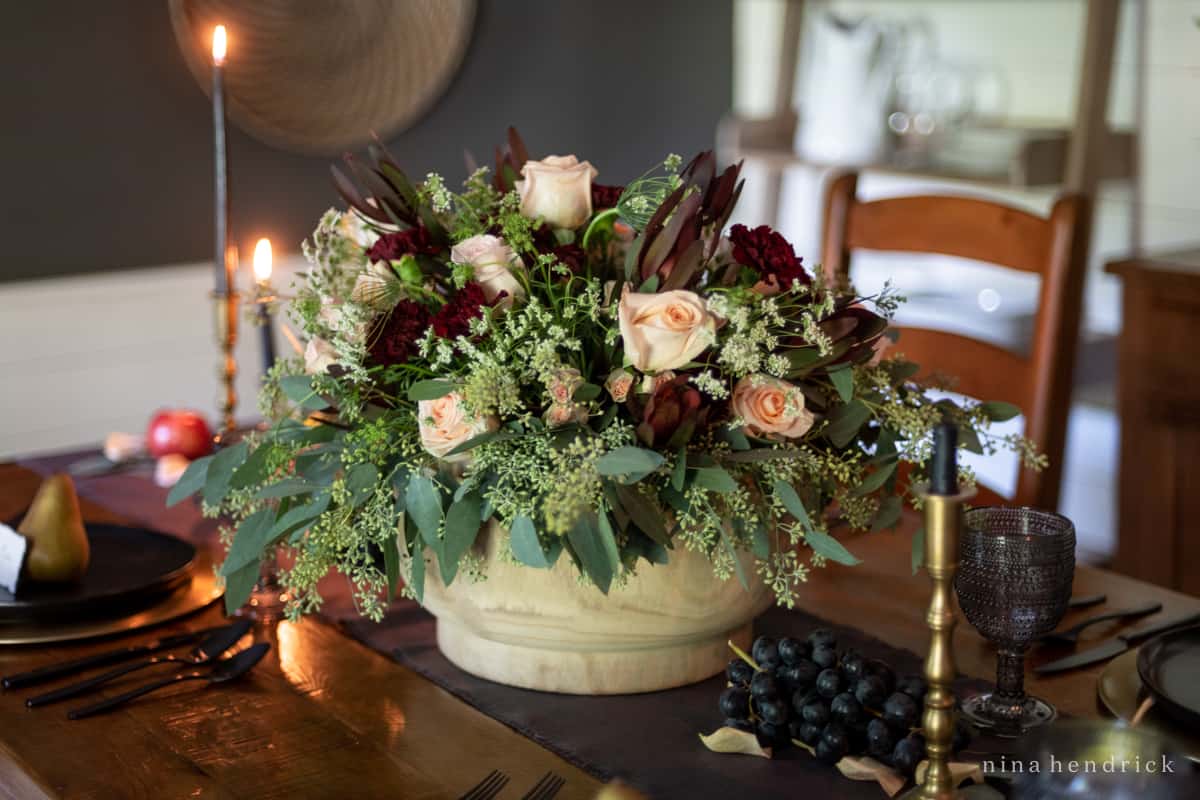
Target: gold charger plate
{"x":1120,"y":691}
{"x":199,"y":593}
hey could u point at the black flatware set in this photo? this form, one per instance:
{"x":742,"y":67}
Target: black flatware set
{"x":1069,"y":637}
{"x":207,"y":661}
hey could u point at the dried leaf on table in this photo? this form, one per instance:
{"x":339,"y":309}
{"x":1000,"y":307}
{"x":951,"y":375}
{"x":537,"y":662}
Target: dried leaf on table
{"x":731,"y":740}
{"x":865,"y":768}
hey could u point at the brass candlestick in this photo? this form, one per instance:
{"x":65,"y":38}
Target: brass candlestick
{"x":943,"y":520}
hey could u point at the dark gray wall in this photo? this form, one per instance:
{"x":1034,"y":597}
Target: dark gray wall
{"x":106,"y":141}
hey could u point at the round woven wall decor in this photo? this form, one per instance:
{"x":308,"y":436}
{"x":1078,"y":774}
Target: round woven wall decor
{"x":319,"y":76}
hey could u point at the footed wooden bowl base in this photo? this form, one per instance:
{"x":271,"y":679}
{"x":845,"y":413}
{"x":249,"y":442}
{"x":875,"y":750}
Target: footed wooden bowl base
{"x":623,"y":671}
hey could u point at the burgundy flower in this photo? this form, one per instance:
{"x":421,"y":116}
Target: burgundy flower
{"x":672,"y":414}
{"x":570,"y":254}
{"x":769,"y":254}
{"x":454,"y":318}
{"x":605,"y":196}
{"x":396,"y":339}
{"x":392,"y":246}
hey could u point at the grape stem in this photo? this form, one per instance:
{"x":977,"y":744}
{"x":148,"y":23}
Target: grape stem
{"x":744,"y":657}
{"x":811,"y":750}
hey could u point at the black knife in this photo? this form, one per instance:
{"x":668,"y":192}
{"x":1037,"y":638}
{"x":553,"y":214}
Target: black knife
{"x":52,"y":671}
{"x":1115,"y":647}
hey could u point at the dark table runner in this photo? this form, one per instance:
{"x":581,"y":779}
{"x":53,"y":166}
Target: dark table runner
{"x":648,"y":740}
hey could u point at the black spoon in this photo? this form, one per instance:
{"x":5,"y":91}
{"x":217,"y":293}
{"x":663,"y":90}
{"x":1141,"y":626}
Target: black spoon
{"x":223,"y":671}
{"x":206,"y":652}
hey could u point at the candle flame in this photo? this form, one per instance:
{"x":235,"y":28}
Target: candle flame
{"x":262,"y":260}
{"x":218,"y":45}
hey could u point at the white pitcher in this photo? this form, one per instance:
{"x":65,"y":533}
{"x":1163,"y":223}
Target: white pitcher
{"x":847,"y":95}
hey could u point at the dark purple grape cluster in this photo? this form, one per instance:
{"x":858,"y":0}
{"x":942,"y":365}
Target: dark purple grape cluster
{"x":837,"y":703}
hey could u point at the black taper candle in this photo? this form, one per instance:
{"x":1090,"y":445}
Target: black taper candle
{"x":267,"y":332}
{"x":943,"y":477}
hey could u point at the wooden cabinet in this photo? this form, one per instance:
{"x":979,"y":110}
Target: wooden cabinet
{"x":1158,"y":397}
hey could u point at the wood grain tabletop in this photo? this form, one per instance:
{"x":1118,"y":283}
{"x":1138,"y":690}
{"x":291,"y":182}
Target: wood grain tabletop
{"x":325,"y":716}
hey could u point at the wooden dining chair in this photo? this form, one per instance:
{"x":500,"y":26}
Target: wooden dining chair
{"x":1040,"y":383}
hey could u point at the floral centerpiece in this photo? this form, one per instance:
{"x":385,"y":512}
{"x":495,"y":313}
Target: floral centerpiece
{"x":599,"y":379}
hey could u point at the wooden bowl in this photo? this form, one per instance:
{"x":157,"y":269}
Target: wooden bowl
{"x":551,"y":630}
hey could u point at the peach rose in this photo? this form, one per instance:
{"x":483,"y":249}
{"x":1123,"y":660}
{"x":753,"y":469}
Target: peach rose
{"x":558,"y":189}
{"x":559,"y":414}
{"x":494,"y":262}
{"x":771,"y":407}
{"x":563,"y":384}
{"x":319,"y":355}
{"x":619,"y":382}
{"x":445,"y":424}
{"x":666,"y":330}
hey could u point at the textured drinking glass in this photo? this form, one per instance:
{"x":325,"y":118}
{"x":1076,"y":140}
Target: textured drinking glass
{"x":1014,"y":583}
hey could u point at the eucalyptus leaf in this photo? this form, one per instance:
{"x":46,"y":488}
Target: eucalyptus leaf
{"x":288,"y":487}
{"x":762,"y":454}
{"x":643,"y":513}
{"x":999,"y":411}
{"x":715,"y":479}
{"x":876,"y":478}
{"x":461,"y":530}
{"x":608,"y":541}
{"x":587,"y":392}
{"x":299,"y":517}
{"x":888,"y":515}
{"x":190,"y":482}
{"x":760,"y":541}
{"x":429,"y":390}
{"x":631,"y":463}
{"x":253,"y":470}
{"x":423,"y":504}
{"x":416,"y":573}
{"x":969,"y":440}
{"x":825,"y":545}
{"x":917,"y":557}
{"x":738,"y":567}
{"x":391,"y":563}
{"x":584,"y":537}
{"x":845,"y":422}
{"x":843,"y":381}
{"x":220,"y":472}
{"x":360,"y":482}
{"x":299,"y":389}
{"x":679,"y":471}
{"x":249,"y":541}
{"x":523,"y":540}
{"x":239,"y":585}
{"x":483,"y":438}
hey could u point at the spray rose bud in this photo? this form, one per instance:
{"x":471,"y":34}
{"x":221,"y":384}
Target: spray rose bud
{"x":618,"y":384}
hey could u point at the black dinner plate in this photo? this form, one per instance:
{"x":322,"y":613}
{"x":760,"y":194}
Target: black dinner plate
{"x":129,"y":569}
{"x":1168,"y":666}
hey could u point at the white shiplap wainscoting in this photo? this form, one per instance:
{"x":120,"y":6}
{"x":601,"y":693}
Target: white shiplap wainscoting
{"x":86,"y":355}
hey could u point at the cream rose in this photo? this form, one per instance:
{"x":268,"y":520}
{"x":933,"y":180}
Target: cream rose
{"x":445,"y":424}
{"x":666,"y":330}
{"x":558,"y":189}
{"x":319,"y":355}
{"x":494,"y":262}
{"x":771,"y":408}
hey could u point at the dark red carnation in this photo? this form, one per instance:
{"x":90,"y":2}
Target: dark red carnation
{"x":605,"y":196}
{"x":396,"y":339}
{"x":393,"y":246}
{"x":454,"y":318}
{"x":769,"y":254}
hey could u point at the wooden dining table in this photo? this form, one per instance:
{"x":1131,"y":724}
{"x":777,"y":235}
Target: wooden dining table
{"x":325,"y":716}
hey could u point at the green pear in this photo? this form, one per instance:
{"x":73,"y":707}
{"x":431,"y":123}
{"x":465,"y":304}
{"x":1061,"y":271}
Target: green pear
{"x":58,"y":543}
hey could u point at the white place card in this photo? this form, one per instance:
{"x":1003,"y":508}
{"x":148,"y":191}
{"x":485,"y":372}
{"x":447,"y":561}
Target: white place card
{"x":12,"y":557}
